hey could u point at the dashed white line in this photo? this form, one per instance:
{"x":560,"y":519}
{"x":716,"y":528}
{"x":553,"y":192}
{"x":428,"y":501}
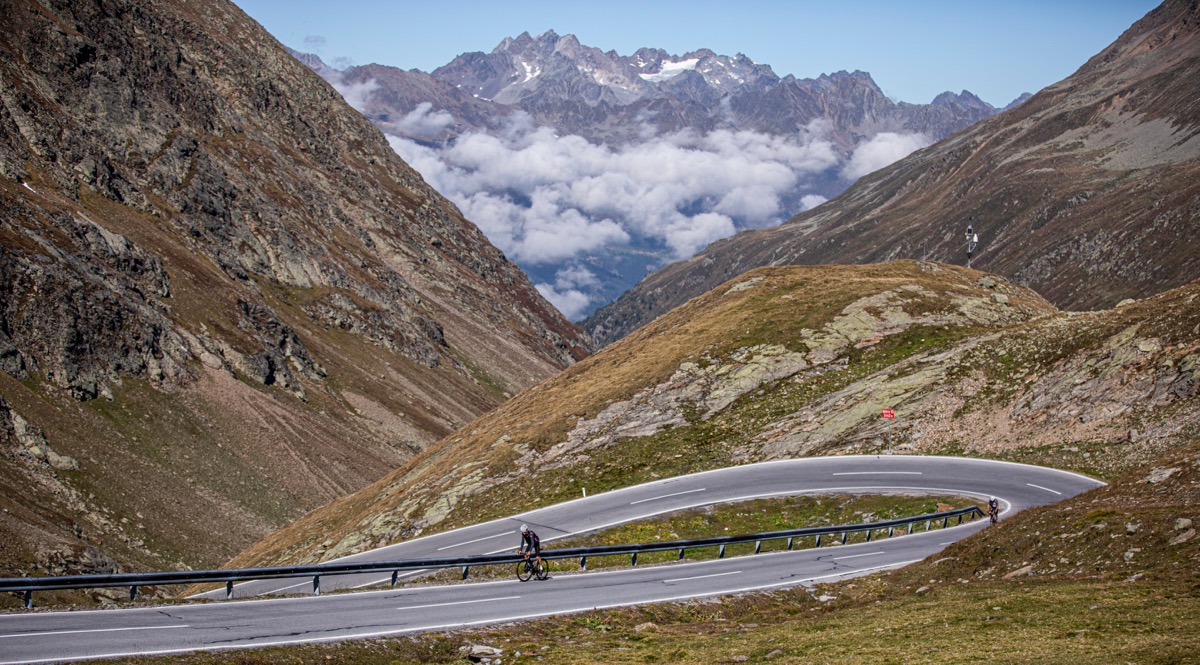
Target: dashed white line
{"x":460,"y":602}
{"x":855,"y":556}
{"x":665,"y":496}
{"x":477,"y":540}
{"x":1045,"y":488}
{"x":93,"y":630}
{"x":701,"y":577}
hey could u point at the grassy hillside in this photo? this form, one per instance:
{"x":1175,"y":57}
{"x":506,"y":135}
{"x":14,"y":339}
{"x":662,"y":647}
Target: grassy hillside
{"x":798,"y":361}
{"x":1112,"y":575}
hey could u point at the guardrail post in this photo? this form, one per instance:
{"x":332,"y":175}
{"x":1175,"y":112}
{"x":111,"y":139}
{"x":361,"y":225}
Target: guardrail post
{"x":844,"y":534}
{"x":466,"y":570}
{"x":926,"y":525}
{"x":910,"y":525}
{"x":633,"y":559}
{"x":818,"y":540}
{"x":721,"y":554}
{"x":316,"y":585}
{"x":28,"y":599}
{"x":757,"y":546}
{"x":944,"y":520}
{"x":583,"y":563}
{"x":891,"y":531}
{"x":228,"y":589}
{"x":789,"y":543}
{"x":133,"y":592}
{"x":960,"y":519}
{"x":869,"y":535}
{"x":395,"y":577}
{"x":681,"y":554}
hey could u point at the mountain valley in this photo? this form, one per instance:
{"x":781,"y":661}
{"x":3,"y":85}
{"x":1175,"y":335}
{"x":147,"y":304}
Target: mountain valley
{"x":590,"y":168}
{"x":1089,"y":192}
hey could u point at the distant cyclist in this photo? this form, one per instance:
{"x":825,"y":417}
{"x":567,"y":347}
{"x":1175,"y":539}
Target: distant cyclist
{"x":994,"y":509}
{"x":530,"y":543}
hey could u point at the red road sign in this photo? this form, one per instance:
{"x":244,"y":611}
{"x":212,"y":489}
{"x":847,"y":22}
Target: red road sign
{"x":888,"y":413}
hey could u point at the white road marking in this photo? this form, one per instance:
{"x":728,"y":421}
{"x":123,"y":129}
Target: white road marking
{"x":477,"y":540}
{"x":879,"y":473}
{"x":94,"y":630}
{"x":855,"y":556}
{"x":701,"y":577}
{"x":665,"y":496}
{"x":460,"y":602}
{"x":1045,"y":488}
{"x":401,"y":631}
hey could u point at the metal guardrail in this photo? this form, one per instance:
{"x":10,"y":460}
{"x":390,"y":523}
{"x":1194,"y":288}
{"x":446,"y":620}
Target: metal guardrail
{"x":27,"y":585}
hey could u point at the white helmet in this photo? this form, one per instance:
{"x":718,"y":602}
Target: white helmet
{"x":524,"y":528}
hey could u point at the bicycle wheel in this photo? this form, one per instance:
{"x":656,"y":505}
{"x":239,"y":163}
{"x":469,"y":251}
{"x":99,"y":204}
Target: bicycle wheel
{"x":525,"y":571}
{"x":542,"y":570}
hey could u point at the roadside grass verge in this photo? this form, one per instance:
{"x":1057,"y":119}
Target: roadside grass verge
{"x":869,"y":621}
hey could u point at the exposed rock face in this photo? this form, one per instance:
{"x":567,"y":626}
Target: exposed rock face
{"x":196,"y":228}
{"x":1089,"y":192}
{"x":610,"y":98}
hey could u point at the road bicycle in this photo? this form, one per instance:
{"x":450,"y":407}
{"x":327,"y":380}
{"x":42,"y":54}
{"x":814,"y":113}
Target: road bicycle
{"x":532,"y":567}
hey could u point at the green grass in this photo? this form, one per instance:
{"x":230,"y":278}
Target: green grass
{"x":704,"y":444}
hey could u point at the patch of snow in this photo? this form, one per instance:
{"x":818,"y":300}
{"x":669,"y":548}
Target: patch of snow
{"x":670,"y":70}
{"x":530,"y":72}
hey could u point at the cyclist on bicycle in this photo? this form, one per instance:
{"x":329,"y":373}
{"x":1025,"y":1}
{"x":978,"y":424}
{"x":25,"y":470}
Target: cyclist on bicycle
{"x":530,"y":543}
{"x":993,"y":509}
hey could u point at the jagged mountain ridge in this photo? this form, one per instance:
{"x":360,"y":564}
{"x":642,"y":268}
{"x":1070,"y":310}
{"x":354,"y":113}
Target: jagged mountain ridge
{"x":682,"y":108}
{"x":791,"y":361}
{"x":606,"y":97}
{"x":1088,"y":192}
{"x":224,"y":300}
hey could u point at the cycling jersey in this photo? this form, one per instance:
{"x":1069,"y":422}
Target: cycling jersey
{"x":531,"y":543}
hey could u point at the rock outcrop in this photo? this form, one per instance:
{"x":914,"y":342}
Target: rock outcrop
{"x":221,"y":292}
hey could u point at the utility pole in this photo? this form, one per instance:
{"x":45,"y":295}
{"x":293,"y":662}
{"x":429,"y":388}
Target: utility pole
{"x":972,"y":241}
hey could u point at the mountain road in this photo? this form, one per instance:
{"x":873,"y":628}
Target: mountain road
{"x":273,"y":619}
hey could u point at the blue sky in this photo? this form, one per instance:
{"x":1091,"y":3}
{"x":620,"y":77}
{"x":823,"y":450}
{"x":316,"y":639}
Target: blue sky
{"x":913,"y":50}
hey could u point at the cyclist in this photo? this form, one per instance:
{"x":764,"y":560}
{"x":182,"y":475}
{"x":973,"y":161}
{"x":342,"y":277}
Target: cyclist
{"x":530,"y":543}
{"x":993,"y":509}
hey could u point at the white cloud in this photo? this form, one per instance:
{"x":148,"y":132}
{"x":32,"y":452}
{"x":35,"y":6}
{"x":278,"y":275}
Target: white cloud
{"x":566,"y":293}
{"x":571,"y":302}
{"x":546,"y":199}
{"x":422,"y":122}
{"x":811,"y":201}
{"x":356,"y":94}
{"x":881,"y":150}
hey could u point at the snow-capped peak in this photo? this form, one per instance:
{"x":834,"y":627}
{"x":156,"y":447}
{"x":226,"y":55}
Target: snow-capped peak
{"x":670,"y":70}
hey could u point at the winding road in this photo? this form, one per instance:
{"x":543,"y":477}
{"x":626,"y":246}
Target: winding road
{"x":61,"y":636}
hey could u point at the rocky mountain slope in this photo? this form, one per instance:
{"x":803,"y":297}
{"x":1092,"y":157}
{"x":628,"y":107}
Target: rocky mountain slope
{"x":224,"y":300}
{"x":794,"y":361}
{"x":606,"y":97}
{"x":1089,"y":192}
{"x":628,"y":162}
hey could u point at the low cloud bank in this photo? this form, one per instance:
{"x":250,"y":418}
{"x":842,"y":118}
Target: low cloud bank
{"x":882,"y":150}
{"x":543,"y":198}
{"x":546,"y":200}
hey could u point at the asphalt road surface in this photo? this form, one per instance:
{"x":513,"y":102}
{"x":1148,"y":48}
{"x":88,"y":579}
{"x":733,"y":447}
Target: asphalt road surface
{"x":276,"y":620}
